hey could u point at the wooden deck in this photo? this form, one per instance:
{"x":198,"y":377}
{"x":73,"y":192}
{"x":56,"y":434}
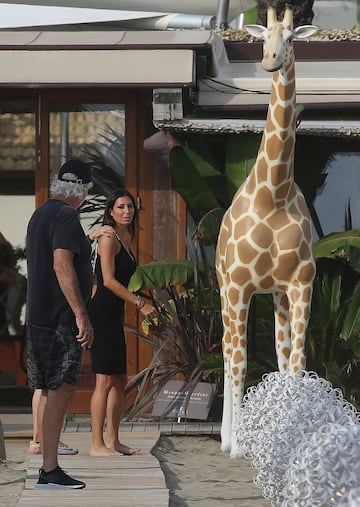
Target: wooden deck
{"x":131,"y":481}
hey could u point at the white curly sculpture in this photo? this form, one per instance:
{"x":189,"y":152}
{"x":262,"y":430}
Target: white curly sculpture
{"x":279,"y":420}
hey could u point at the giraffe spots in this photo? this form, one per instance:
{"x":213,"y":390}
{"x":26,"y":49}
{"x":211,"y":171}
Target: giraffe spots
{"x":286,"y":352}
{"x":295,"y":358}
{"x":294,"y":295}
{"x":263,"y":202}
{"x":291,"y":76}
{"x":240,"y":276}
{"x":248,"y":292}
{"x":305,"y":251}
{"x":307,"y":229}
{"x":235,"y":342}
{"x":284,"y":116}
{"x":250,"y":185}
{"x":287,"y":265}
{"x":274,"y":251}
{"x":286,"y":92}
{"x":306,"y":295}
{"x":280,"y":337}
{"x":284,"y":302}
{"x":297,"y":313}
{"x":233,"y":297}
{"x":263,"y":264}
{"x":282,"y":192}
{"x":306,"y":273}
{"x":307,"y":313}
{"x":262,"y":236}
{"x":243,"y":315}
{"x":246,"y":252}
{"x":232,"y":312}
{"x":299,"y":327}
{"x":242,"y":329}
{"x":261,"y":170}
{"x":274,"y":146}
{"x":239,"y":207}
{"x":243,"y":343}
{"x":288,"y":150}
{"x":235,"y":371}
{"x":229,"y":254}
{"x":227,"y":339}
{"x":290,"y":237}
{"x":295,"y":369}
{"x":282,"y":318}
{"x":243,"y":226}
{"x":303,"y":206}
{"x":298,"y":344}
{"x":267,"y":283}
{"x":238,"y":357}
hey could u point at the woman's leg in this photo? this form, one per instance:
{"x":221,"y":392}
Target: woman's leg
{"x":98,"y":405}
{"x":114,"y":413}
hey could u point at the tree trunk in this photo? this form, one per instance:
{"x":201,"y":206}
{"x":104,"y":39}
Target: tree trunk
{"x":303,"y":13}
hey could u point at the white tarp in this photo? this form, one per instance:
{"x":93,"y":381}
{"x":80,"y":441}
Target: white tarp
{"x":21,"y":13}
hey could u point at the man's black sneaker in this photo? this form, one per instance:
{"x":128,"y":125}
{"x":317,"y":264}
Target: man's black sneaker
{"x":57,"y":479}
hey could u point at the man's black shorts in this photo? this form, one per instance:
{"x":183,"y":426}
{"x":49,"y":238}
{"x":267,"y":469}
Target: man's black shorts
{"x":54,"y":356}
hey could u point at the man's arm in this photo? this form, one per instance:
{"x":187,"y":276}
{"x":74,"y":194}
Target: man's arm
{"x":68,"y":282}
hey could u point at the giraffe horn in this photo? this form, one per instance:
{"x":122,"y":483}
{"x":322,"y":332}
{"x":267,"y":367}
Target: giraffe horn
{"x":288,"y":17}
{"x":271,"y":17}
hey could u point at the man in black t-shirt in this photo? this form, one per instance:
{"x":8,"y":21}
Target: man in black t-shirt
{"x":57,"y":324}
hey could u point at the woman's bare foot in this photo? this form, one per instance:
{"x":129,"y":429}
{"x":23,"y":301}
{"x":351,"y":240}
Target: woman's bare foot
{"x":103,"y":451}
{"x":125,"y":450}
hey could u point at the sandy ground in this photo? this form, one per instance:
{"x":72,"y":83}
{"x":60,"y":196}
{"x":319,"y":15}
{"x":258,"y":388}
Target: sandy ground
{"x":197,"y":474}
{"x":13,"y":471}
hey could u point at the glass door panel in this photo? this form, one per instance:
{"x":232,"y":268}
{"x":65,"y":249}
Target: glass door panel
{"x":94,"y":133}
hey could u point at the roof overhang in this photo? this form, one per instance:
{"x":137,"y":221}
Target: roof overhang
{"x":247,"y":84}
{"x":326,"y":128}
{"x":243,"y":83}
{"x":147,"y":58}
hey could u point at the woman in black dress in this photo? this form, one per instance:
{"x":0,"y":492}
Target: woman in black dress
{"x":115,"y":264}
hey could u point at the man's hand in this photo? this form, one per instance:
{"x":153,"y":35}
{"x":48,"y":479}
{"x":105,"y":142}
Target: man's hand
{"x":85,"y":335}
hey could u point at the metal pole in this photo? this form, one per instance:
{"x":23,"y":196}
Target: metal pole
{"x":222,"y":15}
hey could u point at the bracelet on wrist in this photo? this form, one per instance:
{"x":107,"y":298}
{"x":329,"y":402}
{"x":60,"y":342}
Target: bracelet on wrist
{"x":139,"y":302}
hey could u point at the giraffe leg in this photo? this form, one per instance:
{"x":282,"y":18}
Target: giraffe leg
{"x":238,"y":366}
{"x":227,"y":352}
{"x":282,"y":330}
{"x":299,"y":315}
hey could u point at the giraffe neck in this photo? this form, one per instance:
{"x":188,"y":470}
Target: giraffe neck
{"x":276,"y":152}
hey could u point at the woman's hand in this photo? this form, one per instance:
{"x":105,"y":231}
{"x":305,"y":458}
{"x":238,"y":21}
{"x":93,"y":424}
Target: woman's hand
{"x":149,"y":311}
{"x":104,"y":230}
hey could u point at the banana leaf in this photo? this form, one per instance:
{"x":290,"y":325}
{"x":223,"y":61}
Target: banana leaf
{"x":207,"y":229}
{"x":241,"y":154}
{"x":160,"y":274}
{"x":195,"y":179}
{"x":326,"y":246}
{"x":351,"y":327}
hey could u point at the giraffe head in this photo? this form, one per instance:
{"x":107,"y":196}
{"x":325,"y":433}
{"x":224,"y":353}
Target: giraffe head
{"x":278,"y":37}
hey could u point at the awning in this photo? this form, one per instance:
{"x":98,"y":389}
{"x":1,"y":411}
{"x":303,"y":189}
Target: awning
{"x":237,"y":84}
{"x":325,"y":128}
{"x":147,"y":58}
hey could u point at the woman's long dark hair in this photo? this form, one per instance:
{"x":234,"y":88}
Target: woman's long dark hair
{"x":110,"y":203}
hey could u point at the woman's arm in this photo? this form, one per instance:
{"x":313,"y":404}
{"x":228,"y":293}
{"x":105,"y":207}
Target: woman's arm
{"x":108,"y":248}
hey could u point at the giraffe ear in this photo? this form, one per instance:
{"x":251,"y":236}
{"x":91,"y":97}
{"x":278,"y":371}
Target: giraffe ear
{"x":305,"y":31}
{"x":256,"y":30}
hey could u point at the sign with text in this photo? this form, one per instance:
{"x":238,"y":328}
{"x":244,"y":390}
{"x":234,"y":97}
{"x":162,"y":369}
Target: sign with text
{"x":176,"y":400}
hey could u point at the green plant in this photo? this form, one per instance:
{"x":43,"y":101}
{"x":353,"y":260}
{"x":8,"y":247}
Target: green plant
{"x":187,"y":328}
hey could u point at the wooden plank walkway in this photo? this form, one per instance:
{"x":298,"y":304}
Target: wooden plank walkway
{"x":131,"y":481}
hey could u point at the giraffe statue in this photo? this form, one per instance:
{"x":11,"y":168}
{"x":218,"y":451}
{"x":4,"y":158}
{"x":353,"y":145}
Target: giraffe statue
{"x":265,"y":239}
